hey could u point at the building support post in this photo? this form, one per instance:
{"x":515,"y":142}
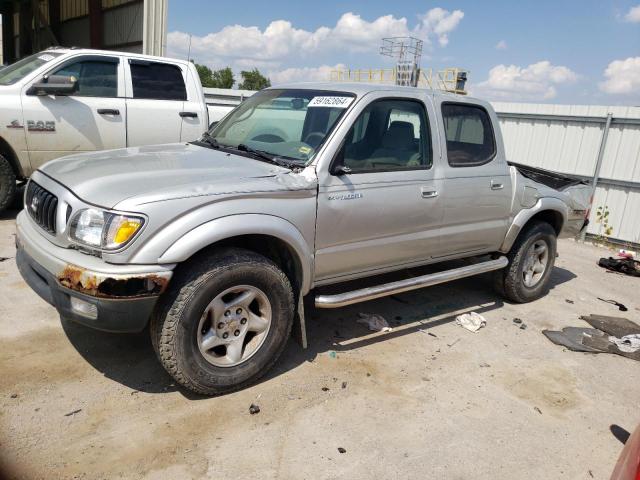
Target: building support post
{"x":95,"y":23}
{"x":596,"y":173}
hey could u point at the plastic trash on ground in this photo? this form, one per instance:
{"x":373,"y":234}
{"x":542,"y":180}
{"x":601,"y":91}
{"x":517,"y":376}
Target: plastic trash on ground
{"x":471,"y":321}
{"x":376,"y":323}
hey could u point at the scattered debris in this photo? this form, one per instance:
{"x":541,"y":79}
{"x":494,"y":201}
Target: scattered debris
{"x":344,"y":384}
{"x":471,"y":321}
{"x":450,"y":345}
{"x":620,"y":306}
{"x":73,"y":413}
{"x":432,"y":334}
{"x":608,"y":336}
{"x":616,"y":326}
{"x":342,"y":450}
{"x":626,"y":265}
{"x":368,"y":374}
{"x":4,"y":259}
{"x":523,"y":326}
{"x":569,"y":301}
{"x":332,"y":354}
{"x":325,"y":389}
{"x":517,"y":320}
{"x":538,"y":410}
{"x":376,"y":323}
{"x":484,"y":365}
{"x":628,"y":343}
{"x":14,"y":395}
{"x":253,"y":409}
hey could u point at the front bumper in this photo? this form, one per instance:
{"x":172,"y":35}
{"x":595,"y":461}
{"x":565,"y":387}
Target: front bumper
{"x":123,"y":295}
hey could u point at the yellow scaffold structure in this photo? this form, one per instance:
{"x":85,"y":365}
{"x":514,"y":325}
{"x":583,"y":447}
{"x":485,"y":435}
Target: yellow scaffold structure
{"x":450,"y":79}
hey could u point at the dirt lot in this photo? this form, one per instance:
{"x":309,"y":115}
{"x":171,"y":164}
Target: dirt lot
{"x":428,"y":400}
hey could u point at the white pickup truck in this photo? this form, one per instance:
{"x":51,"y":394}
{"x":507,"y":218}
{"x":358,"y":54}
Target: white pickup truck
{"x":63,"y":101}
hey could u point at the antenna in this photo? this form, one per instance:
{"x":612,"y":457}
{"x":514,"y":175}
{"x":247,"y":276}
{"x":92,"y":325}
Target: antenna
{"x":189,"y":51}
{"x":407,"y":51}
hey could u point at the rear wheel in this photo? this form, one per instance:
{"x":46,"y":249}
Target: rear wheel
{"x":531,"y":261}
{"x":7,"y":184}
{"x":224,"y":321}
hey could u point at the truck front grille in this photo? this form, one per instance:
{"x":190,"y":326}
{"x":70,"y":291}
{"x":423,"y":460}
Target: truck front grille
{"x":42,"y":206}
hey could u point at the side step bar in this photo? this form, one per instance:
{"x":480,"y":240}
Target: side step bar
{"x":365,"y":294}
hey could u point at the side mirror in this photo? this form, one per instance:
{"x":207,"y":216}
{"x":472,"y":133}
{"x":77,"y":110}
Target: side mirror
{"x":54,"y":85}
{"x":340,"y":170}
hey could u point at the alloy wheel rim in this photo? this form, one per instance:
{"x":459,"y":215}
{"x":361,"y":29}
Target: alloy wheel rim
{"x":535,"y":264}
{"x":234,"y":326}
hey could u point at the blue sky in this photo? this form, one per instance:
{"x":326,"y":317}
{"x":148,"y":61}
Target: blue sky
{"x":585,"y":52}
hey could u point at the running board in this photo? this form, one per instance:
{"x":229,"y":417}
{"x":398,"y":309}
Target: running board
{"x":365,"y":294}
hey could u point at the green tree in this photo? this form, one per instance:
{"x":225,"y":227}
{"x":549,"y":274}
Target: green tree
{"x":222,"y":78}
{"x":253,"y":80}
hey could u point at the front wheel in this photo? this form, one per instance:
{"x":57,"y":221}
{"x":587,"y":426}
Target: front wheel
{"x":531,"y":261}
{"x":7,"y":184}
{"x":224,"y":322}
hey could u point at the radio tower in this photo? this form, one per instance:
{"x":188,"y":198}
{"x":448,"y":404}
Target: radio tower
{"x":407,"y":51}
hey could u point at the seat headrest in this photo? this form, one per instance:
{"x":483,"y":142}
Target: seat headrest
{"x":398,"y":136}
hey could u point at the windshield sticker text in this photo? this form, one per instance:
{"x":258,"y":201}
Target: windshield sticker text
{"x":334,"y":102}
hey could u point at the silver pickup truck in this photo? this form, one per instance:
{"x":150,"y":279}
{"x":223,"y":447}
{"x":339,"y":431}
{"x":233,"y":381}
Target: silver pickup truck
{"x":217,"y":242}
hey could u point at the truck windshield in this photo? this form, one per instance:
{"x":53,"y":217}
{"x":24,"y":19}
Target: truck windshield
{"x":22,"y":68}
{"x":284,"y":123}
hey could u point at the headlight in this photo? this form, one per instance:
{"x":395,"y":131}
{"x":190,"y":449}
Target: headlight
{"x":103,"y":230}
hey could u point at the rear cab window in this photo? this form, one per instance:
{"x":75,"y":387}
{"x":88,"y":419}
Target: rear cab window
{"x":469,"y":134}
{"x":157,"y":81}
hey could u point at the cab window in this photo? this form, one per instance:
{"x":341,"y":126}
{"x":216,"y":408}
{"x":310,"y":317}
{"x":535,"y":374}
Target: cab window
{"x":390,"y":134}
{"x":469,"y":134}
{"x":96,"y":77}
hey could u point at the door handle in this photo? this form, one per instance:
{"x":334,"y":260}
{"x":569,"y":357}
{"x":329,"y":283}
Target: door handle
{"x":188,"y":114}
{"x":426,"y":193}
{"x":108,"y":111}
{"x":496,"y":186}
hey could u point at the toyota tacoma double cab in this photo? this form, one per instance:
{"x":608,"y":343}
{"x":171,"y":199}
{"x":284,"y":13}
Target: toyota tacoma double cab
{"x":67,"y":100}
{"x":215,"y":243}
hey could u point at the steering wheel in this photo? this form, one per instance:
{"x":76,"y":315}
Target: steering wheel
{"x":268,"y":138}
{"x":314,"y":139}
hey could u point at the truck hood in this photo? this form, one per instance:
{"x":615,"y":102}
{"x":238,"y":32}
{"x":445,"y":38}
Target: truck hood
{"x":156,"y":173}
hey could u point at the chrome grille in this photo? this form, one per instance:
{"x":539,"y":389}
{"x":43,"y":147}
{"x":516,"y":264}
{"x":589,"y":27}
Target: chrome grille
{"x":42,"y":206}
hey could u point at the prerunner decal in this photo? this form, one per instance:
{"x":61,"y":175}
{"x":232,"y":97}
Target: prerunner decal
{"x":334,"y":102}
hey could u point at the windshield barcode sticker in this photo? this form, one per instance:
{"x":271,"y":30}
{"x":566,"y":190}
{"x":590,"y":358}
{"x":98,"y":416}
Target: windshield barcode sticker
{"x":335,"y":102}
{"x":46,"y":58}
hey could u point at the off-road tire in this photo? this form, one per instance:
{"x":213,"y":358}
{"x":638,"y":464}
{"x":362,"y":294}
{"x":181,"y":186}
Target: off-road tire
{"x":509,"y":281}
{"x":174,"y":324}
{"x":7,"y":184}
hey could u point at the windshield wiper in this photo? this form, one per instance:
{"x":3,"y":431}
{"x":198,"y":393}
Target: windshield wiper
{"x":208,"y":138}
{"x":265,"y":156}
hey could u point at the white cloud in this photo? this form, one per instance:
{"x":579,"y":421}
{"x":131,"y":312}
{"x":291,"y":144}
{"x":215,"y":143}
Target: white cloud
{"x":622,"y":76}
{"x":238,"y":45}
{"x":501,"y":45}
{"x":304,"y":74}
{"x":439,"y":22}
{"x":633,"y":15}
{"x":537,"y":81}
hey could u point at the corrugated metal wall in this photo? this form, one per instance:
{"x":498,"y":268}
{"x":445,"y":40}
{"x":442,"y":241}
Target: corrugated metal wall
{"x":123,"y":25}
{"x":543,"y":136}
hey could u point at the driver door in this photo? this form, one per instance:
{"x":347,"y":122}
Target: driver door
{"x":93,"y":118}
{"x":382,"y":211}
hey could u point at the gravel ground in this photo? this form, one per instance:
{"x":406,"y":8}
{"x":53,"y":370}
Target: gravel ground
{"x":427,"y":400}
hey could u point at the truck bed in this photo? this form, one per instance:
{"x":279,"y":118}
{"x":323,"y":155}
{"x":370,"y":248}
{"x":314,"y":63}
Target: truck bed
{"x":558,"y":181}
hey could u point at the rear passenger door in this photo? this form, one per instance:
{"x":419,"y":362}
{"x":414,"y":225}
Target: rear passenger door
{"x":382,"y":211}
{"x":477,"y":188}
{"x":155,"y":102}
